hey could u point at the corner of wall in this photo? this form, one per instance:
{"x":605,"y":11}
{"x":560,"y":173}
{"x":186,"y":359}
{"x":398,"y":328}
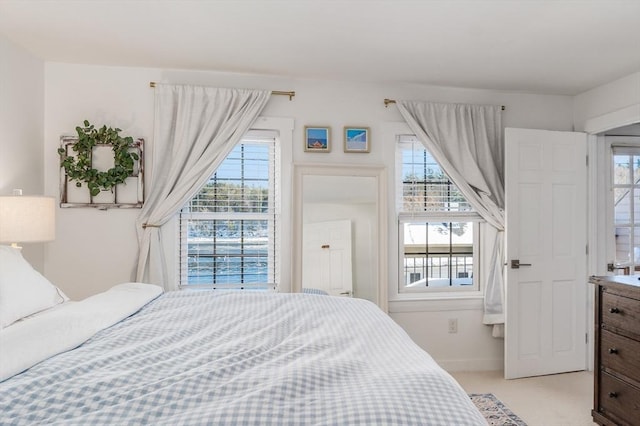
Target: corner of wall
{"x":22,"y":121}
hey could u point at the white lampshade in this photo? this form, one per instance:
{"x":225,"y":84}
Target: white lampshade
{"x":27,"y":219}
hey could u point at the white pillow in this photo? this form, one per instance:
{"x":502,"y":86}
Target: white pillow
{"x":23,"y":290}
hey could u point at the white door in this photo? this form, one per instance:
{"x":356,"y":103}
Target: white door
{"x":326,"y":257}
{"x":546,"y":233}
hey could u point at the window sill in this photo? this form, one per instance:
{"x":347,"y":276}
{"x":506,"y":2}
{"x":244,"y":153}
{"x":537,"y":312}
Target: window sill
{"x":437,"y":303}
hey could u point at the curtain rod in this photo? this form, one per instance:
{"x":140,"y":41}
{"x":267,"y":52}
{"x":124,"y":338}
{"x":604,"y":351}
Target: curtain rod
{"x":393,"y":101}
{"x":290,"y":94}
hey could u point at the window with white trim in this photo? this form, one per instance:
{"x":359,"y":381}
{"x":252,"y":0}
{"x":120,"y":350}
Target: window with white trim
{"x":438,"y":229}
{"x":626,"y":207}
{"x":228,"y":235}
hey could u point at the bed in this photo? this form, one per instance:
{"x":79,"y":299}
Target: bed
{"x":205,"y":357}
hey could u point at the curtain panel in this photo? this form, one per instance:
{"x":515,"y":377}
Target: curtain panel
{"x":467,"y":142}
{"x":195,"y":129}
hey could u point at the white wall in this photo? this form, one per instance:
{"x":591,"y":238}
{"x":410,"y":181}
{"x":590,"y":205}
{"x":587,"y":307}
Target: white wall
{"x":93,"y":249}
{"x":21,"y":127}
{"x":97,"y":249}
{"x":470,"y":349}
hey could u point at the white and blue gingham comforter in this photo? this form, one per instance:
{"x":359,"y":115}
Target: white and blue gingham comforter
{"x":241,"y":359}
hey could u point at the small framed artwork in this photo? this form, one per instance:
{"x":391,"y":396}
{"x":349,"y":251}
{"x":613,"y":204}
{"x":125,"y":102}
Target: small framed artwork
{"x":356,"y":139}
{"x":317,"y":139}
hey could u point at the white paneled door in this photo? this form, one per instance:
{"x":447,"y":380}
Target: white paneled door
{"x":546,"y":236}
{"x":326,"y":257}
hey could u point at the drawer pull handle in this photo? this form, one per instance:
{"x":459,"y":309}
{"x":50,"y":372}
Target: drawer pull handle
{"x":613,"y":394}
{"x":613,"y":350}
{"x":614,"y":310}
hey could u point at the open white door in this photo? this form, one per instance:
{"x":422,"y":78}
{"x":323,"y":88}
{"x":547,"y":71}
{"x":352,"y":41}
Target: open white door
{"x":546,"y":234}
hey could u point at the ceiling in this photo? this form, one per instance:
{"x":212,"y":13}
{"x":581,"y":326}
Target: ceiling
{"x":541,"y":46}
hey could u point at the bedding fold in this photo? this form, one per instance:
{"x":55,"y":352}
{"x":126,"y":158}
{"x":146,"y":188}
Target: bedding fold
{"x":30,"y":341}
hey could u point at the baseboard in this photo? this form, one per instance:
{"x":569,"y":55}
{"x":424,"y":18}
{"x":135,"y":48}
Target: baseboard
{"x":455,"y":365}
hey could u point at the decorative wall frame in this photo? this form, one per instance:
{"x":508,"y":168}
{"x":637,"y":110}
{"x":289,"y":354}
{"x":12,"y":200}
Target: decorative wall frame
{"x":317,"y":139}
{"x":356,"y":139}
{"x":127,"y":195}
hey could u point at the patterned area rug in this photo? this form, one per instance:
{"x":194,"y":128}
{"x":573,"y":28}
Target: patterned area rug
{"x":494,"y":410}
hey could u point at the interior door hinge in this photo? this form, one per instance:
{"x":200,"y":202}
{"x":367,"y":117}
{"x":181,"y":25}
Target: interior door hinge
{"x":586,"y":338}
{"x":587,"y":161}
{"x":587,"y":249}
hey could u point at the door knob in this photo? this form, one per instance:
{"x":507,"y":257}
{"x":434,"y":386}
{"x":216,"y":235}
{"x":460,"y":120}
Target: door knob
{"x":515,"y":264}
{"x":611,"y":267}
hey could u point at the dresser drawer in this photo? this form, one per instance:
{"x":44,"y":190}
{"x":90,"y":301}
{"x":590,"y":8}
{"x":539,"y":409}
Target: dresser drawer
{"x":621,"y":313}
{"x":620,"y":354}
{"x":619,"y":399}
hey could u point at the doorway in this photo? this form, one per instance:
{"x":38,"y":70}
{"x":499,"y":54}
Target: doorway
{"x":623,"y":207}
{"x":601,"y":234}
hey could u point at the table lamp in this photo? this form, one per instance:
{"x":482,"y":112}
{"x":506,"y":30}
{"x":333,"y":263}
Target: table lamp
{"x":26,"y":219}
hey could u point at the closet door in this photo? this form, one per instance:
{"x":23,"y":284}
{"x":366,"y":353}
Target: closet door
{"x":326,"y":257}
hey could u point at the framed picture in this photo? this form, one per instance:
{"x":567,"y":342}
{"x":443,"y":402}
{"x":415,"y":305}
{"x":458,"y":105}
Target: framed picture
{"x":317,"y":139}
{"x":356,"y":139}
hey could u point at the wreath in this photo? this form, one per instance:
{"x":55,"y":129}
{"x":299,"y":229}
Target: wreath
{"x":79,"y":169}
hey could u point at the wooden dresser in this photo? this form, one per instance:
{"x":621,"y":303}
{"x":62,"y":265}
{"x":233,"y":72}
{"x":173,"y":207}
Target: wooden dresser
{"x":617,"y":350}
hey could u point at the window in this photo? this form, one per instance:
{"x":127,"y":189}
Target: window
{"x":626,"y":207}
{"x":437,"y":228}
{"x":228,"y":235}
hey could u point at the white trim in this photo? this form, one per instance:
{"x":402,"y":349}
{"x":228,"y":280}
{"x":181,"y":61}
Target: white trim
{"x":376,"y":171}
{"x":426,"y":216}
{"x":444,"y":304}
{"x":471,"y":364}
{"x":284,"y":126}
{"x":390,"y":130}
{"x":614,"y":119}
{"x":595,"y":232}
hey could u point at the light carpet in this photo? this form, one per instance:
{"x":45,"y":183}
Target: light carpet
{"x":494,"y":411}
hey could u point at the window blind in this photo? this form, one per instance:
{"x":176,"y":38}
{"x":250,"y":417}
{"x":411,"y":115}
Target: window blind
{"x":424,"y":187}
{"x":228,"y":229}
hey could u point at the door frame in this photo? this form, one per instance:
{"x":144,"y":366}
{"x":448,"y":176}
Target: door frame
{"x":379,"y":248}
{"x":596,"y":199}
{"x":599,"y":219}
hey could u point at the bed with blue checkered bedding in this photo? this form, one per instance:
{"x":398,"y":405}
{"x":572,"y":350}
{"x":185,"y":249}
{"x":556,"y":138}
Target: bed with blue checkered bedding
{"x":241,"y":358}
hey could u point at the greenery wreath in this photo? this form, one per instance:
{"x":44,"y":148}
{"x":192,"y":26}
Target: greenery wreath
{"x":78,"y":167}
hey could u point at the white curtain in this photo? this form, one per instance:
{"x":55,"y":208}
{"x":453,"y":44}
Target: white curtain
{"x":195,"y":129}
{"x":467,"y":142}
